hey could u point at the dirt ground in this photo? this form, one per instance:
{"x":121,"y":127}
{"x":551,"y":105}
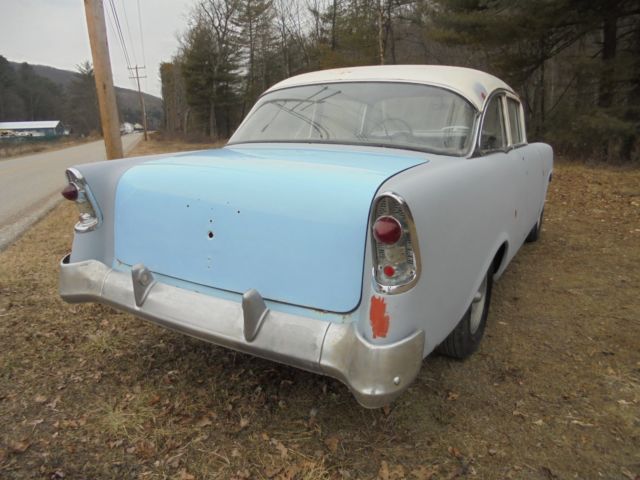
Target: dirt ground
{"x":553,"y":393}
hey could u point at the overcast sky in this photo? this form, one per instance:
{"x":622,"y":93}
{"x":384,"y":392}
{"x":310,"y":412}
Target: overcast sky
{"x":54,"y":33}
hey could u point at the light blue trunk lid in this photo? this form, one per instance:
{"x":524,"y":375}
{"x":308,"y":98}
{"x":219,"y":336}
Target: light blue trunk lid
{"x":289,"y":221}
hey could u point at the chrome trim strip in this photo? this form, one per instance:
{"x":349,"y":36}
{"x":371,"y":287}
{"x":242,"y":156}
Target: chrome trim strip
{"x":393,"y":289}
{"x":477,"y":151}
{"x":376,"y":374}
{"x":84,"y":195}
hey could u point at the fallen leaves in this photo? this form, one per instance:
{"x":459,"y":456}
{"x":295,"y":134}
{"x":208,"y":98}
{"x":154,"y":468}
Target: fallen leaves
{"x":203,"y":422}
{"x":244,"y":423}
{"x":422,"y":473}
{"x":174,"y":460}
{"x":145,"y":449}
{"x":332,"y":443}
{"x":184,"y":475}
{"x":165,"y":387}
{"x":454,"y":452}
{"x":284,"y":451}
{"x":383,"y":471}
{"x":582,"y":424}
{"x":36,"y":422}
{"x":115,"y":443}
{"x":20,"y":446}
{"x":627,"y":473}
{"x":293,"y":471}
{"x":394,"y":472}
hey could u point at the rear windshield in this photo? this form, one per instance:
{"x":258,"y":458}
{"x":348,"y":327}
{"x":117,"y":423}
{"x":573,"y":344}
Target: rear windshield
{"x":399,"y":115}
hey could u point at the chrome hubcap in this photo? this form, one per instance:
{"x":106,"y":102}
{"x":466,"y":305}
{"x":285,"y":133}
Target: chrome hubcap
{"x":477,"y":307}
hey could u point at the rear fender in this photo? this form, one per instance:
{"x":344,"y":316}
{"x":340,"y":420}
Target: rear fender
{"x":102,"y":178}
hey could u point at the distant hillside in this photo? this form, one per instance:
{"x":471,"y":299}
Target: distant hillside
{"x":128,"y":99}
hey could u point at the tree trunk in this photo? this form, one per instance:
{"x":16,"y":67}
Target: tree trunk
{"x":212,"y":121}
{"x":389,"y":33}
{"x":543,"y":94}
{"x":609,"y":46}
{"x":334,"y":15}
{"x":380,"y":32}
{"x":186,"y":120}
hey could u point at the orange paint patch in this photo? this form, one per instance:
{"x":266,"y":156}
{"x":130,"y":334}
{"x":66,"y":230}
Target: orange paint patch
{"x":378,"y":317}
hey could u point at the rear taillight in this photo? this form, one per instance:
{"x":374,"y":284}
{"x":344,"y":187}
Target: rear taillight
{"x":78,"y":191}
{"x":70,"y":192}
{"x":396,"y":258}
{"x":387,"y":230}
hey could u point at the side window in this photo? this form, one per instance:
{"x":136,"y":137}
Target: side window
{"x":493,"y":135}
{"x":515,"y":123}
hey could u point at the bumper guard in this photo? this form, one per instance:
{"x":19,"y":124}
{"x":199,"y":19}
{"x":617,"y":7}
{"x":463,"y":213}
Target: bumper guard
{"x":375,"y":374}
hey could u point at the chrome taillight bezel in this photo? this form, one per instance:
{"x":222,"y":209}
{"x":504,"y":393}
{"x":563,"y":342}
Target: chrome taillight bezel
{"x":90,"y":216}
{"x":409,"y":235}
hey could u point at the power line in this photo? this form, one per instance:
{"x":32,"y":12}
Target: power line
{"x":123,"y":44}
{"x":144,"y":60}
{"x":141,"y":36}
{"x":120,"y":36}
{"x":126,"y":22}
{"x":117,"y":35}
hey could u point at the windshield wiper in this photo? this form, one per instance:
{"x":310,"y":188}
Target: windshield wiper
{"x":322,"y":99}
{"x":308,"y":99}
{"x":266,"y":125}
{"x":322,"y":131}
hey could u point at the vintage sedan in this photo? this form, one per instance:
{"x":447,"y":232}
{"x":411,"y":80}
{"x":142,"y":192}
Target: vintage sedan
{"x":353,"y":224}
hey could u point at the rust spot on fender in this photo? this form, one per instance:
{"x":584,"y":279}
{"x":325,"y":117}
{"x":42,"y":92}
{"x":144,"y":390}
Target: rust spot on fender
{"x":378,"y":317}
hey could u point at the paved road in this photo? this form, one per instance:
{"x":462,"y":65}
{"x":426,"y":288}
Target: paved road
{"x":30,"y":185}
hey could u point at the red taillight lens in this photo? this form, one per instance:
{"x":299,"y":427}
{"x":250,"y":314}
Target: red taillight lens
{"x":70,"y":192}
{"x":396,"y":257}
{"x":387,"y":230}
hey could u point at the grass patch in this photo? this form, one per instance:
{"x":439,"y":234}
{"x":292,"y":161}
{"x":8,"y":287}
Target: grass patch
{"x":554,"y":391}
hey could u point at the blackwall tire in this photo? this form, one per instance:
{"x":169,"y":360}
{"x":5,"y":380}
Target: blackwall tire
{"x":534,"y":234}
{"x":465,"y":339}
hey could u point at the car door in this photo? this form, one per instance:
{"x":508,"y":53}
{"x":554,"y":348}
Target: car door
{"x":522,"y":154}
{"x":506,"y":175}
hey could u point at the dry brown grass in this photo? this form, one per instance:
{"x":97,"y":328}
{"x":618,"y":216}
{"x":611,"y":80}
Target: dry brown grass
{"x":554,"y":391}
{"x":161,"y":143}
{"x":12,"y":150}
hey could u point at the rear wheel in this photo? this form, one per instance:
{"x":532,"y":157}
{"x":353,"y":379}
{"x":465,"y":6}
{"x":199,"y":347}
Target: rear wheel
{"x":465,"y":338}
{"x":534,"y":234}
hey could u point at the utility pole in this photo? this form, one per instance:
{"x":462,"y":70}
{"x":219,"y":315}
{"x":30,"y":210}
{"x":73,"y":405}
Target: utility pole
{"x":144,"y":111}
{"x":94,"y":11}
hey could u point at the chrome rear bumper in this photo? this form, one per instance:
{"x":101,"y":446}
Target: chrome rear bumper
{"x":376,"y":374}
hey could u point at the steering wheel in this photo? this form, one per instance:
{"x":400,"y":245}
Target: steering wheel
{"x":405,"y":130}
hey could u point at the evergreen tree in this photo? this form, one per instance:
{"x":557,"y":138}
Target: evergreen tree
{"x":41,"y":97}
{"x":82,"y":105}
{"x":208,"y":61}
{"x":564,"y":57}
{"x":11,"y":104}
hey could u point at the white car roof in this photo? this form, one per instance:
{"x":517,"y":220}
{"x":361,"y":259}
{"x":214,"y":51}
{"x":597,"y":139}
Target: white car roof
{"x":474,"y":85}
